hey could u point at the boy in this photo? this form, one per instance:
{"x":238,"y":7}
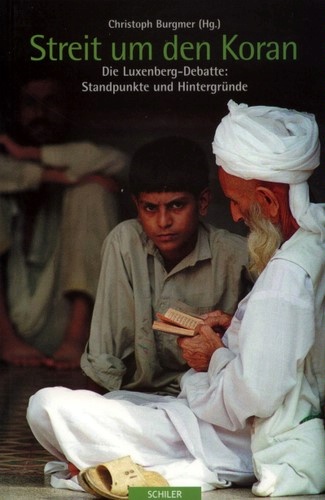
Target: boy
{"x":166,"y":258}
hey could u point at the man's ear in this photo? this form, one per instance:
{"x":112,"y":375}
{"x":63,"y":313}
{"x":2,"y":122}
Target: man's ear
{"x":269,"y":203}
{"x":204,"y":201}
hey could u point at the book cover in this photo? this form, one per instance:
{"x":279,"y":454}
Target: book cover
{"x":141,"y":69}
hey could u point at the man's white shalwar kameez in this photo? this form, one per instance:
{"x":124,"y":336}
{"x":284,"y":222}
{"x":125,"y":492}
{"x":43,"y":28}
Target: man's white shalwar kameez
{"x":269,"y":377}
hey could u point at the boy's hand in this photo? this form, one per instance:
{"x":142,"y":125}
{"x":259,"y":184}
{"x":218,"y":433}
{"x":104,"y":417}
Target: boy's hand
{"x":198,"y":350}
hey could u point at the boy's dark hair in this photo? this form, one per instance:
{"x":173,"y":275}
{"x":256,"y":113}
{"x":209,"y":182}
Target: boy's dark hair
{"x":169,"y":164}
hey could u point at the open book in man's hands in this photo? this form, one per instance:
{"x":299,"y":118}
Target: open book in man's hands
{"x":177,"y":322}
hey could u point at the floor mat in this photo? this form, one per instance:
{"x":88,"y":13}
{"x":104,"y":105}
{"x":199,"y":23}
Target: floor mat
{"x":20,"y":452}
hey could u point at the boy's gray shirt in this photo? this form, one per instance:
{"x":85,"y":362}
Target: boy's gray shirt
{"x":123,"y":351}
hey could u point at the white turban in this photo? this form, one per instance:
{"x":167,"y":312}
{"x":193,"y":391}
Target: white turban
{"x":276,"y":145}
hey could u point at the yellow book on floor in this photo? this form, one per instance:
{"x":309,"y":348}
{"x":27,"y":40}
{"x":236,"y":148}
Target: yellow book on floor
{"x":177,"y":322}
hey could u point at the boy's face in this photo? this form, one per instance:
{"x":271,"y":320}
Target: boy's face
{"x":170,"y":220}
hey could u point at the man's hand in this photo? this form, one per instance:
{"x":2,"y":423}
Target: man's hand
{"x":55,"y":176}
{"x":218,"y":320}
{"x":18,"y":151}
{"x":197,"y":351}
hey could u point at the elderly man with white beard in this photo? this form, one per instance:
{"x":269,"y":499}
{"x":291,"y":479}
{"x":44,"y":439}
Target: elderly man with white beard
{"x":250,"y":408}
